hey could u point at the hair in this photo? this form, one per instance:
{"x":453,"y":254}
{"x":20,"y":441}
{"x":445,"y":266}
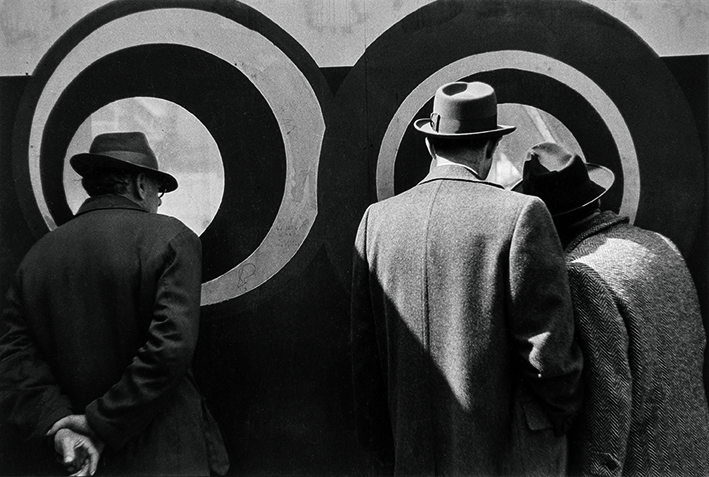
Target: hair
{"x":567,"y":225}
{"x":578,"y":214}
{"x":446,"y":144}
{"x":107,"y":181}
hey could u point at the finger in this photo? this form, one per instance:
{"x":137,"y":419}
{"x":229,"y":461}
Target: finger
{"x":93,"y":459}
{"x":80,"y":456}
{"x":84,"y":471}
{"x":78,"y":423}
{"x":57,"y":425}
{"x":67,"y":422}
{"x":69,"y":468}
{"x":68,"y":454}
{"x":81,"y":453}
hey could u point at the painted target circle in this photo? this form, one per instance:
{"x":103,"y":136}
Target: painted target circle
{"x":247,"y":81}
{"x":177,"y":137}
{"x":620,"y":103}
{"x":570,"y":88}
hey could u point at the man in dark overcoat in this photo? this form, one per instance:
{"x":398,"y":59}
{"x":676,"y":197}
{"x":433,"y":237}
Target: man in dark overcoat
{"x":101,"y":323}
{"x":463,"y":356}
{"x":639,"y":326}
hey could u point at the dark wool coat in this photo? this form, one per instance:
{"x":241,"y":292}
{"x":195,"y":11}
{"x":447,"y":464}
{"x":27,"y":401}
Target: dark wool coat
{"x":639,"y":325}
{"x":102,"y":319}
{"x":462,"y":327}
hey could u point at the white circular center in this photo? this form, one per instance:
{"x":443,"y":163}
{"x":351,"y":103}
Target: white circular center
{"x":284,"y":87}
{"x":183,"y":145}
{"x":534,"y":125}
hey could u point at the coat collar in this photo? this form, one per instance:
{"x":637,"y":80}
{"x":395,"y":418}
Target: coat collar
{"x":108,"y":201}
{"x":599,"y":223}
{"x":455,"y":172}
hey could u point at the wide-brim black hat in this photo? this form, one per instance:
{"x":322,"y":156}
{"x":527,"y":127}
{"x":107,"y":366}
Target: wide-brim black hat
{"x":121,"y":150}
{"x":463,"y":109}
{"x":562,"y":179}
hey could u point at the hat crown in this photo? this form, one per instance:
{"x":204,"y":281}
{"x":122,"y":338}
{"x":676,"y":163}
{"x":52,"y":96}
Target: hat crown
{"x":551,"y":155}
{"x":131,"y":147}
{"x":553,"y":167}
{"x":463,"y":109}
{"x":460,"y":108}
{"x":466,"y":102}
{"x":561,"y":179}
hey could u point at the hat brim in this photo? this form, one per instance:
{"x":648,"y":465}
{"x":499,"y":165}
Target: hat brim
{"x":599,"y":175}
{"x":86,"y":162}
{"x":602,"y":176}
{"x":424,"y":126}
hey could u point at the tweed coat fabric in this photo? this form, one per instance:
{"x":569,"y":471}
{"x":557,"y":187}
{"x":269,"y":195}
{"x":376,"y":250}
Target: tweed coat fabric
{"x":639,"y":325}
{"x":102,"y":319}
{"x":462,"y":353}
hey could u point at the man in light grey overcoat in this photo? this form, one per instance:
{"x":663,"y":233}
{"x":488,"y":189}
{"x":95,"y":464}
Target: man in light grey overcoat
{"x":638,"y":323}
{"x":463,"y":356}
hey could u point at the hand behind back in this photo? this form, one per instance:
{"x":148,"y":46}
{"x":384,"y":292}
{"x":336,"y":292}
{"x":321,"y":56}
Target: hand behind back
{"x":77,"y":447}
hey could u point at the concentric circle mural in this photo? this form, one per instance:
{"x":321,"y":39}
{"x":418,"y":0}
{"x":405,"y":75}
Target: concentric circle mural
{"x":238,"y":74}
{"x":302,"y":158}
{"x":621,"y":105}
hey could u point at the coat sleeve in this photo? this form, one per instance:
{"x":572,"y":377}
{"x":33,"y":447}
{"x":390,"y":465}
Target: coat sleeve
{"x":369,"y":385}
{"x":30,"y":397}
{"x":541,"y":316}
{"x":598,"y":438}
{"x":159,"y":365}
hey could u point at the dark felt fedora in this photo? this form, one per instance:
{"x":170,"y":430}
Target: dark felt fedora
{"x":122,"y":150}
{"x":463,"y":109}
{"x":562,"y":179}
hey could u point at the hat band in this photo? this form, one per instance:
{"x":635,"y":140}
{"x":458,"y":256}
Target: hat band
{"x":572,"y":198}
{"x":456,"y":126}
{"x":132,"y":158}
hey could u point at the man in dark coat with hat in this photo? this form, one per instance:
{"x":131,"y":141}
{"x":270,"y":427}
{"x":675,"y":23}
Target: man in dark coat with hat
{"x":639,"y":326}
{"x":463,"y":356}
{"x":101,"y":323}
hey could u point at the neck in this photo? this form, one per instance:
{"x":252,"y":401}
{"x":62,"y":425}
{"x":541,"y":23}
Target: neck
{"x":470,"y":164}
{"x":570,"y":227}
{"x":132,"y":195}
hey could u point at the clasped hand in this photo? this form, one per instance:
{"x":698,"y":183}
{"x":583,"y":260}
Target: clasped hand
{"x":76,"y":445}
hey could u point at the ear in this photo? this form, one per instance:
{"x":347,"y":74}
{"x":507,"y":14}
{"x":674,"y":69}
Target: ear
{"x":141,"y":186}
{"x":431,"y":148}
{"x":491,"y":146}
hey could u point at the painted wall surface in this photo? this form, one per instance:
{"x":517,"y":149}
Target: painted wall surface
{"x":336,"y":33}
{"x":283,"y":120}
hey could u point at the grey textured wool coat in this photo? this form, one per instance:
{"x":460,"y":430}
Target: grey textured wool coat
{"x":639,"y":325}
{"x":102,"y":319}
{"x":462,"y":351}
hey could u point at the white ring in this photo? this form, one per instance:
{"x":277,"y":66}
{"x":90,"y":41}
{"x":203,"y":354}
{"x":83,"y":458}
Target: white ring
{"x":285,"y":88}
{"x":518,"y":60}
